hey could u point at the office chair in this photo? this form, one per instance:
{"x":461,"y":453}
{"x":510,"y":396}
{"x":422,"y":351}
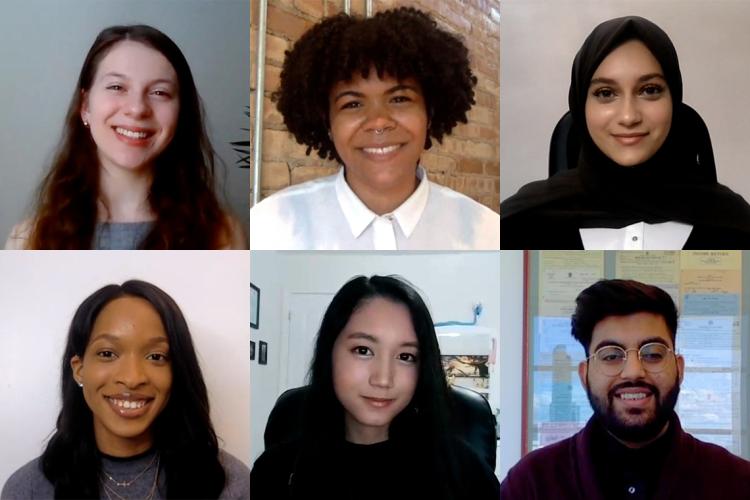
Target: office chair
{"x":565,"y":145}
{"x":472,"y":421}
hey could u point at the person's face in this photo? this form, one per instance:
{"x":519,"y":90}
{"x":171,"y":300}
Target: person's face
{"x":628,"y":105}
{"x":636,"y":404}
{"x":379,"y":128}
{"x":132,"y":106}
{"x":375,"y":368}
{"x":126,"y":374}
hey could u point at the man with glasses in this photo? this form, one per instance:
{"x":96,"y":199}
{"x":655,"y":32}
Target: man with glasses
{"x":633,"y":447}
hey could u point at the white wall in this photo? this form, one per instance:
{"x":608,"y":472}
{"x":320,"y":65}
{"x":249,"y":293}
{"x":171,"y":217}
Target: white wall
{"x":42,"y":47}
{"x":39,"y":293}
{"x":450,"y":282}
{"x":541,"y":37}
{"x":511,"y":359}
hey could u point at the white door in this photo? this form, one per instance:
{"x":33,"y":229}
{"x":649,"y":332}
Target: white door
{"x":305,"y":312}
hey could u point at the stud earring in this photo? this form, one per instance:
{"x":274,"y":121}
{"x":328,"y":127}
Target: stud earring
{"x":85,"y":123}
{"x":80,"y":384}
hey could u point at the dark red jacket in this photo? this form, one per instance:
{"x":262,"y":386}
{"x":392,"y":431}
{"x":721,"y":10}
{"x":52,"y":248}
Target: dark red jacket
{"x":565,"y":470}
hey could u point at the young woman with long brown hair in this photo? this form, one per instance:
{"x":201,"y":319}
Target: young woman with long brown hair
{"x":134,"y":168}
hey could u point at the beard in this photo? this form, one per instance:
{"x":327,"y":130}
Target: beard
{"x":630,"y":432}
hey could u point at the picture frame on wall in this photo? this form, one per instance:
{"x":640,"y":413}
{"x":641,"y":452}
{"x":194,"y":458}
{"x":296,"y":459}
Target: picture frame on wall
{"x":254,"y":306}
{"x":252,"y":350}
{"x":262,"y":353}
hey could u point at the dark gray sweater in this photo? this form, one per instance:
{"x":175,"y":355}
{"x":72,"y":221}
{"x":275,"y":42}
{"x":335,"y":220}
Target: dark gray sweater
{"x":29,"y":483}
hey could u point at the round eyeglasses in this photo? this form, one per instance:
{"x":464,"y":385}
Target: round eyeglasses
{"x":611,"y":359}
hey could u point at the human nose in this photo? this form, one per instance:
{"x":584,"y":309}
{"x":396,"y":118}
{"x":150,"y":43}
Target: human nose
{"x":630,"y":113}
{"x":633,"y":368}
{"x":379,"y":118}
{"x":382,"y":373}
{"x":131,"y":372}
{"x":137,"y":105}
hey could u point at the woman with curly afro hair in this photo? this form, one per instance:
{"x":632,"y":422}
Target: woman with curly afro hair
{"x":372,"y":94}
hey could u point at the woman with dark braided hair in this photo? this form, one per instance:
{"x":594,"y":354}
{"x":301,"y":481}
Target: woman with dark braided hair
{"x":372,"y":94}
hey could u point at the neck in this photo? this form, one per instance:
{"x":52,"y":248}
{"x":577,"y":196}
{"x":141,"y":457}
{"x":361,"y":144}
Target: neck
{"x":122,"y":447}
{"x":641,"y":444}
{"x":364,"y":434}
{"x":382,"y":201}
{"x":123,"y":195}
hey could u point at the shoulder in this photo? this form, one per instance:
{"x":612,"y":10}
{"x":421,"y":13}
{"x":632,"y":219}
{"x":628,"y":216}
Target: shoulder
{"x":531,"y":476}
{"x":299,"y":193}
{"x":543,"y":192}
{"x":463,"y":202}
{"x":19,"y":236}
{"x":237,"y":477}
{"x":719,"y":459}
{"x":476,"y":226}
{"x":28,"y":482}
{"x":269,"y":478}
{"x":475,"y":473}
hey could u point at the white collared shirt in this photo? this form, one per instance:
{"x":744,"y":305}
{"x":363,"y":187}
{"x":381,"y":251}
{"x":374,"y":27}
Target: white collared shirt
{"x":638,"y":236}
{"x":325,"y":214}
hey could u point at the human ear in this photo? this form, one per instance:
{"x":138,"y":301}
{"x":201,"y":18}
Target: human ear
{"x":680,"y":366}
{"x":76,"y":365}
{"x":583,"y":371}
{"x":84,"y":111}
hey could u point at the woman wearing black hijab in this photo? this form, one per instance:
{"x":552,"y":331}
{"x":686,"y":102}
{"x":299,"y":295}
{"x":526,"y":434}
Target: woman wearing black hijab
{"x":644,"y":175}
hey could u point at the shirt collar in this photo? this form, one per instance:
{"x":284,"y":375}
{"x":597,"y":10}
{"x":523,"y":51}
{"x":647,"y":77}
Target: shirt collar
{"x":359,"y":217}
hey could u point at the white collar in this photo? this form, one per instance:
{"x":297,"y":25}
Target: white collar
{"x":359,"y":217}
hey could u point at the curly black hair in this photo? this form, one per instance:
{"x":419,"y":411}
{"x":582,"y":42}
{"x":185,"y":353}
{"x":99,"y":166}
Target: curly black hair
{"x":403,"y":43}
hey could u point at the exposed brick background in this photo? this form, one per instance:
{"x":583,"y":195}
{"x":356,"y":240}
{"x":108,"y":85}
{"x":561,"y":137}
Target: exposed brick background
{"x":467,"y":161}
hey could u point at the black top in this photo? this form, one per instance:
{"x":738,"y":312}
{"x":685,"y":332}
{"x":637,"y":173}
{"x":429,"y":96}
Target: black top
{"x":363,"y":472}
{"x":672,"y":185}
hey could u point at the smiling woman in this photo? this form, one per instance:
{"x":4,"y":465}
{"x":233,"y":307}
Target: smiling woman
{"x":135,"y":417}
{"x":377,"y":411}
{"x":641,"y":173}
{"x":372,"y":94}
{"x":134,"y":168}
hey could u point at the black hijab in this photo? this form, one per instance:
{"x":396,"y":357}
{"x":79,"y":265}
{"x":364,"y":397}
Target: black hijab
{"x":673,"y":185}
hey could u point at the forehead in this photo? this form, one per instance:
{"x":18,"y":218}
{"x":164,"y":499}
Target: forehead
{"x":136,"y":60}
{"x":630,"y":60}
{"x":631,"y":329}
{"x":127,"y":316}
{"x":373,"y":84}
{"x":386,"y":320}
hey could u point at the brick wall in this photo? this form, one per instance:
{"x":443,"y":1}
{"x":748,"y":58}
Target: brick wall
{"x":467,"y":161}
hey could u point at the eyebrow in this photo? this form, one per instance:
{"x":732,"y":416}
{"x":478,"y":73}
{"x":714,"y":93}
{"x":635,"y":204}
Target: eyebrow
{"x":395,"y":88}
{"x":649,"y":340}
{"x":115,"y":339}
{"x":115,"y":74}
{"x":610,"y":81}
{"x":374,"y":340}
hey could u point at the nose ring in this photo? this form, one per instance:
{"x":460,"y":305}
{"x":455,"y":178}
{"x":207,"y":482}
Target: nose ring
{"x":379,"y":131}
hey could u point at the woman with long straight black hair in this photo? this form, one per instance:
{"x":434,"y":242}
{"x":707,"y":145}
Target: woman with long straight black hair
{"x":376,"y":419}
{"x":135,"y":417}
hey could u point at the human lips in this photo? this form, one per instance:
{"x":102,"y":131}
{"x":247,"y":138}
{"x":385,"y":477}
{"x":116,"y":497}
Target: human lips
{"x":133,"y":135}
{"x":634,"y":397}
{"x":378,"y":402}
{"x":381,"y":151}
{"x":630,"y":139}
{"x":129,"y":405}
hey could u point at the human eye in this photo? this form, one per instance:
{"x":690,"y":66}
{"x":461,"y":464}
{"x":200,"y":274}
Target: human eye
{"x":361,"y":350}
{"x":115,"y":87}
{"x":158,"y":357}
{"x":604,"y":94}
{"x":653,"y":353}
{"x":351,"y":105}
{"x":106,"y":354}
{"x":610,"y":355}
{"x":408,"y":357}
{"x":161,"y":93}
{"x":401,"y":99}
{"x":652,"y":90}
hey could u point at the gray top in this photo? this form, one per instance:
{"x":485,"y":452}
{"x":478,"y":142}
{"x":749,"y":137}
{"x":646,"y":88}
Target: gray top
{"x":29,"y":483}
{"x":120,"y":235}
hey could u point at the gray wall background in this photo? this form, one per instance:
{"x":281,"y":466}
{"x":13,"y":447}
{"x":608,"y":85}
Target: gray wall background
{"x":42,"y":47}
{"x":539,"y":39}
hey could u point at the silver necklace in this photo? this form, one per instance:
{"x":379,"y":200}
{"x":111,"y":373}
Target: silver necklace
{"x":125,"y":484}
{"x":152,"y":492}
